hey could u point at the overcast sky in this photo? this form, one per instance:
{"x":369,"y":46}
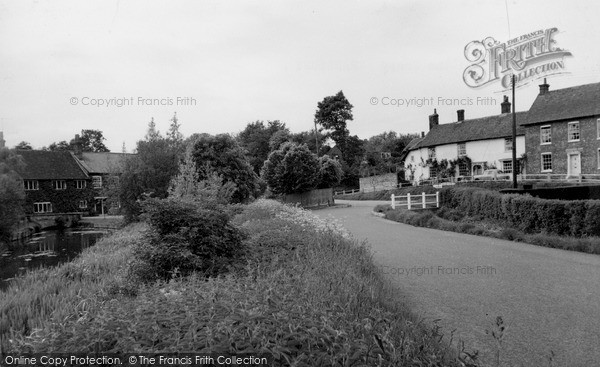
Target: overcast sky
{"x":242,"y":61}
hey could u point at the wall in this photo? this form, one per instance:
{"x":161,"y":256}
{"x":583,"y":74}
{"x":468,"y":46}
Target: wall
{"x":311,"y":198}
{"x":378,"y":182}
{"x":490,"y":151}
{"x":63,"y":201}
{"x":587,"y":145}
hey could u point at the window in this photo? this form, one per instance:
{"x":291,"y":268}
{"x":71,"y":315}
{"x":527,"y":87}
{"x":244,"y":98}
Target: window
{"x":31,"y":185}
{"x":97,"y":182}
{"x":507,"y":166}
{"x":598,"y":158}
{"x":80,"y":184}
{"x":83,"y":204}
{"x":412,"y":158}
{"x":463,"y":169}
{"x":598,"y":128}
{"x":42,"y":207}
{"x":431,"y":153}
{"x":545,"y":135}
{"x":462,"y":149}
{"x":546,"y":162}
{"x":59,"y":184}
{"x":508,"y":144}
{"x":573,"y":131}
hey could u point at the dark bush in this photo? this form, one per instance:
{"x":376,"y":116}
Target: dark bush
{"x":186,"y":238}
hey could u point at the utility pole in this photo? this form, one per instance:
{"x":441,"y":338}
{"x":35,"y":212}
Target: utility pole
{"x":514,"y":135}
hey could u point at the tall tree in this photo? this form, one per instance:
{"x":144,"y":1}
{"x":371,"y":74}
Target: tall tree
{"x":152,"y":133}
{"x":332,"y":114}
{"x":12,"y":194}
{"x":256,"y":137}
{"x":174,"y":135}
{"x":290,"y":169}
{"x":222,"y":154}
{"x":93,"y":141}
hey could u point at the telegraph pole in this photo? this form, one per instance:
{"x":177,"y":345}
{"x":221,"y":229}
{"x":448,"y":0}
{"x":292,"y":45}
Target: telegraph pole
{"x":514,"y":135}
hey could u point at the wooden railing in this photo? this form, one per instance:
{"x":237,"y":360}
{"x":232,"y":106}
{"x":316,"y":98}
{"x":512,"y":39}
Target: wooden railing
{"x":346,"y":192}
{"x":416,"y":201}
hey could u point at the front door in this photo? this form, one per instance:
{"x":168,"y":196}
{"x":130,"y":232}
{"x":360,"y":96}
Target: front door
{"x":574,"y":164}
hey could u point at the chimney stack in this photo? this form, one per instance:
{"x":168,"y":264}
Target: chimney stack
{"x":461,"y":115}
{"x":505,"y":106}
{"x":2,"y":141}
{"x":77,"y":146}
{"x":544,"y":87}
{"x":433,"y":119}
{"x":422,"y":134}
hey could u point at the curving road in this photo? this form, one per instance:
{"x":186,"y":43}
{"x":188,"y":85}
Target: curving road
{"x":549,"y":299}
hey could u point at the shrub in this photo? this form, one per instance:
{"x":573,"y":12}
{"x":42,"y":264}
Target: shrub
{"x":184,"y":238}
{"x":592,"y":218}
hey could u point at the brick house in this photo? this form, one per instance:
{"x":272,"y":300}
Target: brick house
{"x":468,"y":147}
{"x":562,"y":131}
{"x":54,"y":182}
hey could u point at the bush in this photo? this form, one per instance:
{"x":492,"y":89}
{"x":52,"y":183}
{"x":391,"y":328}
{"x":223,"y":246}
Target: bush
{"x":184,"y":238}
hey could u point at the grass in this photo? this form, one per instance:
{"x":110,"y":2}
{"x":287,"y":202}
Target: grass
{"x":308,"y":296}
{"x":452,"y":220}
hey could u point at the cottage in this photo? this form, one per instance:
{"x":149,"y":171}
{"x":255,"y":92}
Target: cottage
{"x":464,"y":148}
{"x":562,"y":132}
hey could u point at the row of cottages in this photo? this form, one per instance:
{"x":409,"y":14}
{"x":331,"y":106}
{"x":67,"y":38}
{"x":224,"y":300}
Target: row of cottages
{"x":558,"y":136}
{"x":69,"y":182}
{"x":465,"y":147}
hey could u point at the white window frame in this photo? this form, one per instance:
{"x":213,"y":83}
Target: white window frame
{"x":59,"y":184}
{"x":549,"y":127}
{"x":542,"y":162}
{"x":598,"y":158}
{"x":573,"y":123}
{"x":464,"y":150}
{"x":31,"y":185}
{"x":83,"y":204}
{"x":508,"y":145}
{"x":598,"y":129}
{"x":42,"y":207}
{"x":97,"y":182}
{"x":80,"y":184}
{"x":504,"y":167}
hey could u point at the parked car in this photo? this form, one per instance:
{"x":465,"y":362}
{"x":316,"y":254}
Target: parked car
{"x":492,"y":174}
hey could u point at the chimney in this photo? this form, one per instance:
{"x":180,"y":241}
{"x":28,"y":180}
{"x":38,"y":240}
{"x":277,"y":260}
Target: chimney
{"x":422,"y":134}
{"x":2,"y":141}
{"x":433,"y":119}
{"x":505,"y":106}
{"x":544,"y":87}
{"x":77,"y":146}
{"x":461,"y":115}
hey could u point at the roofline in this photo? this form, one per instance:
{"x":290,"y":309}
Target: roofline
{"x":466,"y":141}
{"x":557,"y":120}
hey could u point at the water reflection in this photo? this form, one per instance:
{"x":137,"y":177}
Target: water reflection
{"x":48,"y":248}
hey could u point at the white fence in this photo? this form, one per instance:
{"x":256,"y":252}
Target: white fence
{"x":416,"y":201}
{"x":346,"y":192}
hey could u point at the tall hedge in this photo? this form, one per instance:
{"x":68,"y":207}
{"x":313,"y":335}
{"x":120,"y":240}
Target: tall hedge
{"x":577,"y":218}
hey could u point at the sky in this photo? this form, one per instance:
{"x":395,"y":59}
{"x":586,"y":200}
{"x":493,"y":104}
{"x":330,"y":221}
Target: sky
{"x":223,"y":64}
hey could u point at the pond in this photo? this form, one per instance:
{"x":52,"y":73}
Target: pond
{"x":44,"y":249}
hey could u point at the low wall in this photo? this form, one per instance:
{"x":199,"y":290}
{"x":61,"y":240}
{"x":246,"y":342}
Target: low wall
{"x":311,"y":198}
{"x":580,"y":192}
{"x":387,"y":181}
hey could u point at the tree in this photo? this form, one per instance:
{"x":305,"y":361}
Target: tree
{"x":23,"y":146}
{"x":256,"y":137}
{"x":330,"y":172}
{"x":222,"y":154}
{"x":152,"y":133}
{"x":290,"y":169}
{"x":332,"y":114}
{"x":147,"y":173}
{"x":61,"y":145}
{"x":12,"y":194}
{"x":92,"y":141}
{"x":174,"y":135}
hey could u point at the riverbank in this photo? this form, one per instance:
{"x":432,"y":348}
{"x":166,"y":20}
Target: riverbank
{"x":308,"y":295}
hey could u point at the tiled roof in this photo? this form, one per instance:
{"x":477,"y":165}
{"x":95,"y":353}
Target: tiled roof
{"x":103,"y":163}
{"x":567,"y":103}
{"x":44,"y":165}
{"x":484,"y":128}
{"x":410,"y":146}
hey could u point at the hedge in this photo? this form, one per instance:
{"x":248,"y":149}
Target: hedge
{"x":578,"y":218}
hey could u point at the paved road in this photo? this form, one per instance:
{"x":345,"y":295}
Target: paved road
{"x":550,"y":299}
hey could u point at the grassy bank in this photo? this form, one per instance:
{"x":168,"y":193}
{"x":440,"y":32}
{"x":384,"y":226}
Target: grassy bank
{"x":455,"y":221}
{"x":308,"y":295}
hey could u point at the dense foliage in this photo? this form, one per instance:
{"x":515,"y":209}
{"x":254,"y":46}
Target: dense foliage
{"x":291,"y":169}
{"x":12,"y":194}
